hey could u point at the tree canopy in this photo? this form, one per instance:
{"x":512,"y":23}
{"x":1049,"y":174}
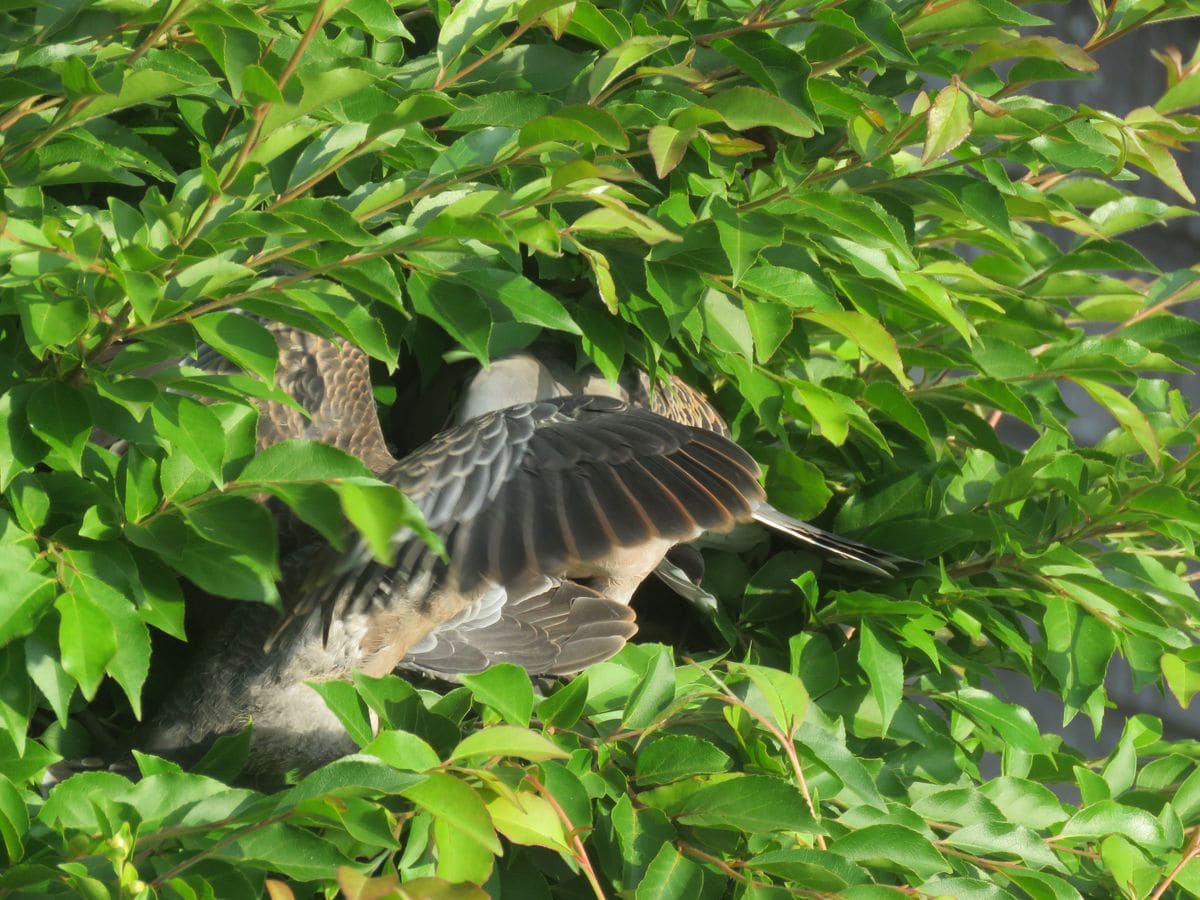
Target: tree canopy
{"x":852,"y":222}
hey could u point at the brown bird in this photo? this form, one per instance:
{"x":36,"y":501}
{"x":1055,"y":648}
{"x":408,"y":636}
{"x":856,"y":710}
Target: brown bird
{"x":552,"y":512}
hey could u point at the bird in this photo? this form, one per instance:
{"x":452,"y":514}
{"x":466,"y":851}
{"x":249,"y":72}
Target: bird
{"x":551,"y":509}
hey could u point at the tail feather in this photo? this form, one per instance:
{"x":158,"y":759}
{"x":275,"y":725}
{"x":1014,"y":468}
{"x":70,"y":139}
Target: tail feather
{"x":840,"y":550}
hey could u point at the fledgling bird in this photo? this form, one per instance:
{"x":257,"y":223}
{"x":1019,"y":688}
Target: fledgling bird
{"x":552,"y":511}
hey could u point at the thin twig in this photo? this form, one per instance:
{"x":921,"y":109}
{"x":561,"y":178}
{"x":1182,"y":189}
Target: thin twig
{"x":442,"y":83}
{"x":1192,"y":851}
{"x":580,"y":853}
{"x":785,"y":741}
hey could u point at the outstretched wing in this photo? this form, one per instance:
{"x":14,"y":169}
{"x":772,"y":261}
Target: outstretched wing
{"x":599,"y":476}
{"x":544,"y":489}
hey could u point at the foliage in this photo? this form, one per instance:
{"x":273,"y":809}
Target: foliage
{"x":848,"y":218}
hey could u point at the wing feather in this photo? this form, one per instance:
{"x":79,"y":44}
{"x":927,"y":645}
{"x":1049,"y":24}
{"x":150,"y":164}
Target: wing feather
{"x":556,"y":629}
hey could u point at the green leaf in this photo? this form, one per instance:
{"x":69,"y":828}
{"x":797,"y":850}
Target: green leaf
{"x":1012,"y":723}
{"x":450,"y":799}
{"x":377,"y":17}
{"x":526,"y":818}
{"x":726,"y":324}
{"x":1182,"y":673}
{"x":506,"y":689}
{"x":1043,"y":885}
{"x":51,"y":322}
{"x":1181,"y":95}
{"x":532,"y":10}
{"x":20,"y":450}
{"x":1109,"y":817}
{"x":526,"y":301}
{"x":892,"y":847}
{"x":283,"y":848}
{"x":785,"y":694}
{"x":507,"y":740}
{"x":827,"y":746}
{"x":674,"y":757}
{"x":236,"y":522}
{"x":1121,"y":770}
{"x":770,"y":325}
{"x":193,"y":429}
{"x":992,"y":838}
{"x":563,"y":708}
{"x":671,"y":875}
{"x":619,"y":59}
{"x":403,"y":750}
{"x":948,"y":122}
{"x":818,"y":870}
{"x":893,"y":402}
{"x":615,"y":217}
{"x":1130,"y":213}
{"x":302,"y":461}
{"x":747,"y":803}
{"x":1025,"y":802}
{"x":14,"y":819}
{"x":866,"y":333}
{"x":568,"y":789}
{"x":467,"y":23}
{"x":382,"y":514}
{"x":654,"y":692}
{"x":27,"y":592}
{"x":795,"y":485}
{"x":460,"y":857}
{"x":1130,"y":418}
{"x":602,"y":275}
{"x":218,"y":568}
{"x":129,"y":663}
{"x":356,"y":774}
{"x":667,"y":147}
{"x":241,"y":340}
{"x":228,"y":755}
{"x":58,"y":414}
{"x":137,"y":87}
{"x":16,"y":695}
{"x":742,"y":108}
{"x":1187,"y":798}
{"x":456,"y":307}
{"x":259,"y":87}
{"x":586,"y":124}
{"x":884,"y":669}
{"x":46,"y":672}
{"x":1037,"y":47}
{"x":86,"y":638}
{"x":322,"y":87}
{"x":345,"y":703}
{"x":744,"y":236}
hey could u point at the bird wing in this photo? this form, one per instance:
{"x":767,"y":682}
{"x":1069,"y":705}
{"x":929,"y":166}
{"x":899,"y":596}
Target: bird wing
{"x":542,"y":489}
{"x":600,"y":476}
{"x":557,"y":629}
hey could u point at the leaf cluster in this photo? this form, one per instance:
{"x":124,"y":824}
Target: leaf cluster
{"x":897,"y":271}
